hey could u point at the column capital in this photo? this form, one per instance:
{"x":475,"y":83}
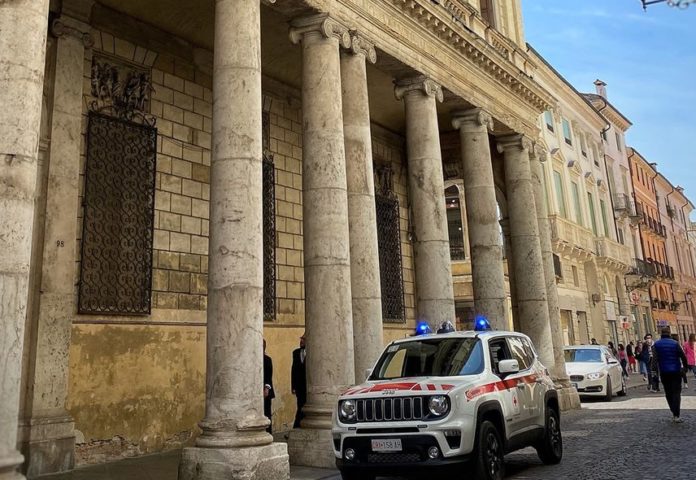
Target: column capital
{"x":321,"y":24}
{"x":69,"y":26}
{"x":359,"y":45}
{"x":420,"y":83}
{"x":475,"y":117}
{"x":515,"y":141}
{"x":539,"y":152}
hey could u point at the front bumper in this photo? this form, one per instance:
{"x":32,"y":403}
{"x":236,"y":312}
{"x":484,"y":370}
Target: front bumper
{"x":412,"y":458}
{"x":591,"y":388}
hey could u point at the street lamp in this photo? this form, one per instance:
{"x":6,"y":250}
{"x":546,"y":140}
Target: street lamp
{"x":671,"y":3}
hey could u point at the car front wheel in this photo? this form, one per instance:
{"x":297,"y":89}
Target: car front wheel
{"x":489,"y":461}
{"x":550,"y":449}
{"x":624,"y":388}
{"x":609,"y":395}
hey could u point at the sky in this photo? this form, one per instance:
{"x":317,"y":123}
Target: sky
{"x":647,"y":59}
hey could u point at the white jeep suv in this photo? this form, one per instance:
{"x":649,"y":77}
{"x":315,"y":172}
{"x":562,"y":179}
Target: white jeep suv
{"x":455,"y":401}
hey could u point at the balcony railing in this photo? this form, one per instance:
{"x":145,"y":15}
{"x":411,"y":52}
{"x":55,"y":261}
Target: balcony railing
{"x":624,"y":205}
{"x":662,"y":270}
{"x":654,"y":225}
{"x":566,"y":231}
{"x":612,"y":250}
{"x":643,"y":268}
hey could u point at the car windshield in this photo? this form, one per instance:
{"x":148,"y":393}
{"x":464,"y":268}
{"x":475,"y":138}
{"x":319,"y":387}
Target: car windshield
{"x":432,"y":357}
{"x":583,"y":355}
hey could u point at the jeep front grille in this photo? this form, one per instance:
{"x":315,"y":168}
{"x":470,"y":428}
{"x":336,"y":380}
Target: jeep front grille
{"x":390,"y":409}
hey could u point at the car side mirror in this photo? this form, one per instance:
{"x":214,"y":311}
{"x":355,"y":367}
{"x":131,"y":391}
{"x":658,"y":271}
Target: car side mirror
{"x":507,"y":367}
{"x":368,"y":372}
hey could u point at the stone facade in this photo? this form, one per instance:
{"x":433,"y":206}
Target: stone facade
{"x":222,"y":100}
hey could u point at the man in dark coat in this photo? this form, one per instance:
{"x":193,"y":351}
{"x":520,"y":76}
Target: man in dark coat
{"x":672,"y":362}
{"x":268,"y":392}
{"x":298,"y":378}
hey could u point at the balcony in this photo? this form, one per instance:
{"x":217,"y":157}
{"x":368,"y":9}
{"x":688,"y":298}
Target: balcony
{"x":656,"y":227}
{"x":613,"y":254}
{"x":662,"y":270}
{"x":624,"y":206}
{"x":571,"y":238}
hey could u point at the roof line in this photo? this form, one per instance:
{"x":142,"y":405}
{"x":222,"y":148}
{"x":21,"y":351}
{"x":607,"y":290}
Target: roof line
{"x":581,"y":95}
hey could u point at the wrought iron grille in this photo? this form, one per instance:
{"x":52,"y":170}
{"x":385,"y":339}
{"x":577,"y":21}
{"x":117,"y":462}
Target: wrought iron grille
{"x":119,"y":201}
{"x":389,"y":244}
{"x":269,"y":238}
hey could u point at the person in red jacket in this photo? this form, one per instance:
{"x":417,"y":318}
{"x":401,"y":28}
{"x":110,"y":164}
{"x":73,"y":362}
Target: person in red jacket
{"x":690,"y":351}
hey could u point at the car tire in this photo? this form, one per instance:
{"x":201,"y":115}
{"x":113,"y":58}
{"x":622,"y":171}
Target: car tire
{"x":610,"y":394}
{"x":624,"y":389}
{"x":356,"y":475}
{"x":550,"y":449}
{"x":489,"y":452}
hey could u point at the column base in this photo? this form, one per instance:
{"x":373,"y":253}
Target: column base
{"x":48,"y":445}
{"x":568,"y":398}
{"x":9,"y":465}
{"x":311,"y":447}
{"x":268,"y":462}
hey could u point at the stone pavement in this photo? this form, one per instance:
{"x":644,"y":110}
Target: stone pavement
{"x":631,"y":437}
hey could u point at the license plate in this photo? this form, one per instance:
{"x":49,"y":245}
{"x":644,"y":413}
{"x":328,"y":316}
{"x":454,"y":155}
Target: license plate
{"x":390,"y":445}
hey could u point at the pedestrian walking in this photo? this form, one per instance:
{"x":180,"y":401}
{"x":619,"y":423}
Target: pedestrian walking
{"x":268,"y":391}
{"x":631,"y":354}
{"x":594,"y":342}
{"x":648,"y":359}
{"x":623,"y":360}
{"x":690,"y":352}
{"x":613,"y":349}
{"x":642,"y":366}
{"x":672,"y":362}
{"x":298,"y":380}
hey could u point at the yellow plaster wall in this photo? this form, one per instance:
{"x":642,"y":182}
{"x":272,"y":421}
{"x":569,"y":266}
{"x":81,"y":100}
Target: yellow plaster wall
{"x":143,"y":383}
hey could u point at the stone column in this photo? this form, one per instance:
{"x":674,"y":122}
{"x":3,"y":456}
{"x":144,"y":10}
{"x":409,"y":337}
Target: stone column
{"x":328,"y":309}
{"x":530,"y":283}
{"x":482,"y":216}
{"x":568,"y":396}
{"x":48,"y":438}
{"x":234,"y":443}
{"x":362,"y":218}
{"x":23,"y":27}
{"x":434,"y":291}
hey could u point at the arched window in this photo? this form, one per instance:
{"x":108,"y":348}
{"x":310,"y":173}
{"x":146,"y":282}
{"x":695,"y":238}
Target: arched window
{"x":454,"y":223}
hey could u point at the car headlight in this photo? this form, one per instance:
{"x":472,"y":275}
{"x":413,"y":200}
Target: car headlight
{"x":595,"y":376}
{"x":438,"y":405}
{"x":346,"y":410}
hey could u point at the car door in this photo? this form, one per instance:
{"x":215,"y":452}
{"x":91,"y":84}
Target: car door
{"x":537,"y":385}
{"x":613,"y":368}
{"x":510,"y":391}
{"x":526,"y":385}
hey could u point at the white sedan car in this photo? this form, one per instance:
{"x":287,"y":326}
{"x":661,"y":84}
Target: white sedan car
{"x":594,"y":371}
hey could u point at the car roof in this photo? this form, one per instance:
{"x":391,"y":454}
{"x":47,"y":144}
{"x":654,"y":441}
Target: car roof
{"x":461,"y":334}
{"x":584,"y":347}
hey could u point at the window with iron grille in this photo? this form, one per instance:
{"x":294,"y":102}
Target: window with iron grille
{"x":389,"y":244}
{"x":117,"y":231}
{"x":269,"y":238}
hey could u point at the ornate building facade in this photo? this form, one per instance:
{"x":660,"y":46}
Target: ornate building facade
{"x":590,"y":262}
{"x":179,"y":182}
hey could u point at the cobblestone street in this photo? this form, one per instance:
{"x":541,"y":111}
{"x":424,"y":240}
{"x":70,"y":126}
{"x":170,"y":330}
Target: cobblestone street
{"x":631,"y":437}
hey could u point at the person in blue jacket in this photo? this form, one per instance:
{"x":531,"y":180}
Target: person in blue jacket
{"x":671,"y":362}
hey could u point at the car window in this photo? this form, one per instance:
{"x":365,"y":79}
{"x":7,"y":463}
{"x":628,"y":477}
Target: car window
{"x":583,"y":355}
{"x":531,"y":353}
{"x":519,"y":353}
{"x":499,"y":350}
{"x":430,"y":357}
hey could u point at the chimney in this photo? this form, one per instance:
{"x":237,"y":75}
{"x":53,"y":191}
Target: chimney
{"x":601,"y":88}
